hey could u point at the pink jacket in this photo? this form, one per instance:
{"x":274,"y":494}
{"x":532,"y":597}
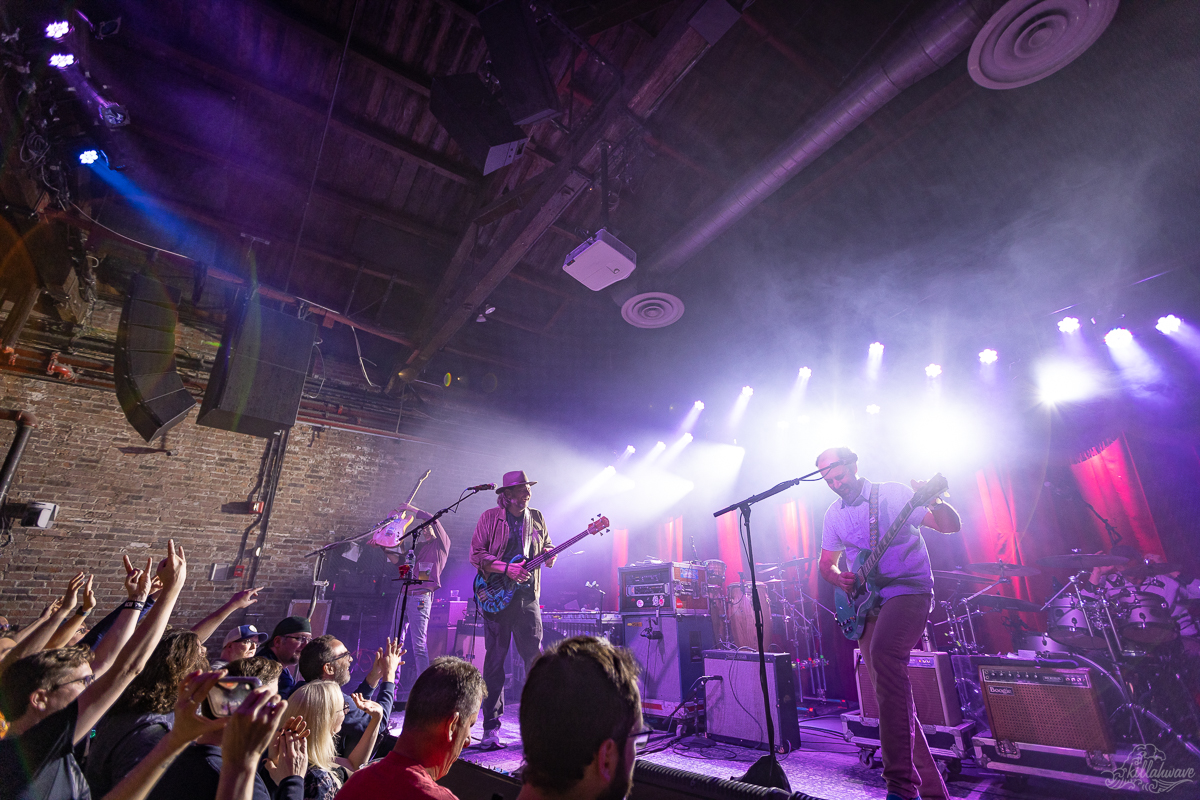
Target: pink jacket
{"x":491,"y":536}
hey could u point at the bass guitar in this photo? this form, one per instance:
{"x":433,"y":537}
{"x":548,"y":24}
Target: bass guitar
{"x":495,"y":591}
{"x":853,"y":606}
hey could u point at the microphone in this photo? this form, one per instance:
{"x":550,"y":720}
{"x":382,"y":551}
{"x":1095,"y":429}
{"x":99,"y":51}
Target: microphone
{"x":483,"y":487}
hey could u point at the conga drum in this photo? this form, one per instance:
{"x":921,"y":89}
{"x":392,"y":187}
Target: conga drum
{"x":741,"y":615}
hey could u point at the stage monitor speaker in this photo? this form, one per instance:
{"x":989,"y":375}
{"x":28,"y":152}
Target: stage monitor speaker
{"x":670,"y":650}
{"x":477,"y":121}
{"x":149,"y":389}
{"x":258,"y":377}
{"x":734,"y":705}
{"x":518,"y":61}
{"x":932,"y":679}
{"x":1058,"y":707}
{"x":320,"y":617}
{"x":658,"y":782}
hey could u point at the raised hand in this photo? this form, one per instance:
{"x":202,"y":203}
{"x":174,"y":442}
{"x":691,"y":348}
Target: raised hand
{"x":173,"y":569}
{"x":189,"y":725}
{"x":137,"y":581}
{"x":89,"y":597}
{"x":288,"y":754}
{"x":392,"y":655}
{"x":252,"y":727}
{"x":245,"y":598}
{"x":70,"y":597}
{"x":369,"y":706}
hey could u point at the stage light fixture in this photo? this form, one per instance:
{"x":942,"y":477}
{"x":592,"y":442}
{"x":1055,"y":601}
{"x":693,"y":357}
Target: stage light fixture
{"x":57,"y":30}
{"x":933,"y":370}
{"x":873,"y":409}
{"x":805,"y":373}
{"x":747,"y":391}
{"x":988,"y":356}
{"x":1169,"y":324}
{"x":1063,"y":381}
{"x":1118,"y":337}
{"x":630,"y":450}
{"x":62,"y":60}
{"x":89,"y":157}
{"x":698,"y":405}
{"x":1068,"y":324}
{"x":875,"y":350}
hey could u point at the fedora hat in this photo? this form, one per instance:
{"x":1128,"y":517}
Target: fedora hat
{"x":518,"y":478}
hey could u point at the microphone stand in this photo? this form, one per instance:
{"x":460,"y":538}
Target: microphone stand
{"x":766,"y":771}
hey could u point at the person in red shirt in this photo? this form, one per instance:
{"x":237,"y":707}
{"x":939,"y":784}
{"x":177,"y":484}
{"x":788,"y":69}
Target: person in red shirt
{"x":442,"y":708}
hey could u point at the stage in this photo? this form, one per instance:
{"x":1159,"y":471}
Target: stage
{"x":826,"y":767}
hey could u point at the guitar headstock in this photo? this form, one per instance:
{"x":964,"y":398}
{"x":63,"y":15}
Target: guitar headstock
{"x":935,"y":486}
{"x":598,"y":525}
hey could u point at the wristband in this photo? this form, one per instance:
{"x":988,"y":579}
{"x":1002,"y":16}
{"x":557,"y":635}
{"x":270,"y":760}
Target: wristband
{"x":136,"y":605}
{"x":81,"y":612}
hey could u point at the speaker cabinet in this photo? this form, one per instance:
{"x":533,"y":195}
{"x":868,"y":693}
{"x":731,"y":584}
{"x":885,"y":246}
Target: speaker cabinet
{"x":1054,"y":706}
{"x":477,"y":121}
{"x":149,"y":389}
{"x":319,"y":619}
{"x":363,"y":624}
{"x":670,"y":650}
{"x":932,"y":679}
{"x":734,"y":704}
{"x":515,"y":49}
{"x":258,"y":376}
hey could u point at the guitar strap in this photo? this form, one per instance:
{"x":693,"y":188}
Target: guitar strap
{"x":874,"y":515}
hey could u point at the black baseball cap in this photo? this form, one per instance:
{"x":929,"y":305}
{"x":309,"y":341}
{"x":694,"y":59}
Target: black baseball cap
{"x":291,"y":625}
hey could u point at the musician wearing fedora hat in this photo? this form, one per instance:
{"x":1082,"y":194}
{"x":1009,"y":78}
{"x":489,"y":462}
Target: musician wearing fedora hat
{"x":502,"y":534}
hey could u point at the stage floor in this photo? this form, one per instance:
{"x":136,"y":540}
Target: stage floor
{"x":825,"y":766}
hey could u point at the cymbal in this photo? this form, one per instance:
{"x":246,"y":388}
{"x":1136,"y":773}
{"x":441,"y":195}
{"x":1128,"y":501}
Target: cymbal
{"x":965,"y":577}
{"x":774,"y":580}
{"x":1148,"y":569}
{"x":1078,"y":561}
{"x":998,"y":602}
{"x":1002,"y":568}
{"x":795,"y":562}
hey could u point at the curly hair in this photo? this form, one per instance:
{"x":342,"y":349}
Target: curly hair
{"x":155,"y":688}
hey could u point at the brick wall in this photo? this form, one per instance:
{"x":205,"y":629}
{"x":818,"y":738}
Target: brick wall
{"x":114,"y":502}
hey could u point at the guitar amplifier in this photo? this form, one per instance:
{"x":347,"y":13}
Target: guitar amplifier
{"x":558,"y":625}
{"x":668,"y":588}
{"x":670,"y":651}
{"x":932,"y":679}
{"x":1057,"y":707}
{"x":734,"y":704}
{"x":320,"y":617}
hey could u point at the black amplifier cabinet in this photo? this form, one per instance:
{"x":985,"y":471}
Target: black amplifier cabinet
{"x":667,"y":588}
{"x":670,"y":650}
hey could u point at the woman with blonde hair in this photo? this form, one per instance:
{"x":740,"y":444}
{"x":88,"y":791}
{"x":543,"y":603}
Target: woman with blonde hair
{"x":324,"y":707}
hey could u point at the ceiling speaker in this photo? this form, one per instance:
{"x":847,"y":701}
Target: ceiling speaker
{"x":1027,"y":40}
{"x":652,"y":310}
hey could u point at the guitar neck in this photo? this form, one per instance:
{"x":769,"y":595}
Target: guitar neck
{"x":536,"y":562}
{"x":877,"y":553}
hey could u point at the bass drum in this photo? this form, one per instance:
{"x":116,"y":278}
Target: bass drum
{"x":1039,"y":643}
{"x":741,"y":615}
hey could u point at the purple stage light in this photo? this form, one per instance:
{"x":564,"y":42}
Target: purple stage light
{"x":1068,"y":324}
{"x":698,"y":405}
{"x":805,"y":373}
{"x":630,"y":450}
{"x":747,"y":391}
{"x":57,"y":30}
{"x":933,"y":370}
{"x":873,"y":409}
{"x":875,"y":350}
{"x":62,"y":60}
{"x":988,"y":356}
{"x":1118,"y":337}
{"x":89,"y":157}
{"x":1169,"y":324}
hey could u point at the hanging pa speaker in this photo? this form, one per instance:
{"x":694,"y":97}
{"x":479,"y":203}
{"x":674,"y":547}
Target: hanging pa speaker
{"x":476,"y":121}
{"x":256,"y":382}
{"x":149,"y":389}
{"x":518,"y":62}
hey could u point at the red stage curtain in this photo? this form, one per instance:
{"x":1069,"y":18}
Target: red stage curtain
{"x":620,"y":558}
{"x":1108,"y":479}
{"x":729,"y":545}
{"x":999,"y":538}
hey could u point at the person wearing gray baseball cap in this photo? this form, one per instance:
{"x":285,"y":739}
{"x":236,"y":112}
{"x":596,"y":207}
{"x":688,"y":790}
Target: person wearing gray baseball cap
{"x":240,"y":642}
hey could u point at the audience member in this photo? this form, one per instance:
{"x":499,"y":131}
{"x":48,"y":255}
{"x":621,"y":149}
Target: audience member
{"x":324,"y":708}
{"x":196,"y":772}
{"x":587,"y":755}
{"x":241,"y":642}
{"x":144,"y":713}
{"x":290,"y":636}
{"x":325,"y":658}
{"x":53,"y":699}
{"x":442,"y":708}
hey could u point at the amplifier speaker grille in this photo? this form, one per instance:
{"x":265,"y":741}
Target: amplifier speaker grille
{"x":932,"y":680}
{"x":1049,"y":706}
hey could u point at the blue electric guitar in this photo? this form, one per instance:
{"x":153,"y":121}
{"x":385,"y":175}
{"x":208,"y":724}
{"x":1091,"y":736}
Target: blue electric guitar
{"x":495,"y":591}
{"x":853,"y":606}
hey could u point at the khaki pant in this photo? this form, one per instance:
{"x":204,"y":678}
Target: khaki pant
{"x":891,"y":633}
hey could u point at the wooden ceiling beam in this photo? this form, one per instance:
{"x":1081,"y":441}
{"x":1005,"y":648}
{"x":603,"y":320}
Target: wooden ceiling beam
{"x":371,"y":134}
{"x":656,"y":69}
{"x":443,"y":239}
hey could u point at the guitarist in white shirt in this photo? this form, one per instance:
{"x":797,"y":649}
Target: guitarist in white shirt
{"x":895,"y":628}
{"x":502,"y":533}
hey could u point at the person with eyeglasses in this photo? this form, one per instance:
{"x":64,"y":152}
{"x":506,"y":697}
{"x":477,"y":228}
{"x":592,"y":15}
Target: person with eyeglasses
{"x":586,"y":756}
{"x":326,"y":658}
{"x":325,"y":709}
{"x":290,"y":636}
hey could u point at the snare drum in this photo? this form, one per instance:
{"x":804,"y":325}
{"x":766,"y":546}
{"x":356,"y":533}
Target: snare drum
{"x":1146,"y":618}
{"x":1068,"y":624}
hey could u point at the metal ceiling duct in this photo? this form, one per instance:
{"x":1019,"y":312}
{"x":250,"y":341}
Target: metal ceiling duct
{"x":924,"y":46}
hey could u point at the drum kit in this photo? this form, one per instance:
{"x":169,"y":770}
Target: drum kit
{"x":1126,"y":619}
{"x":789,"y":615}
